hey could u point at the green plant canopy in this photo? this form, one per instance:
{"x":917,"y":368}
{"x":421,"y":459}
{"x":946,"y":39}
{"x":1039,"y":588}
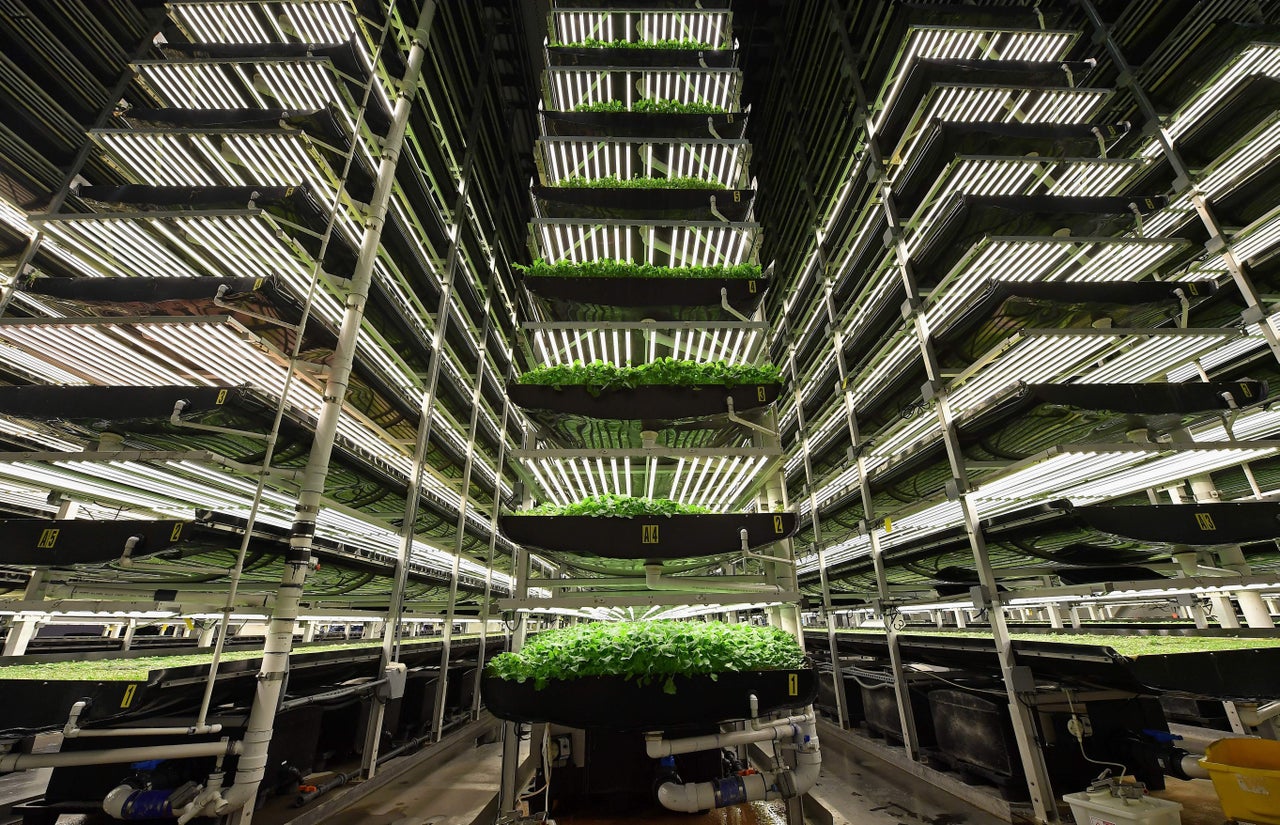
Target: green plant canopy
{"x":1128,"y":646}
{"x":652,"y":106}
{"x":596,"y":43}
{"x":615,"y":182}
{"x":602,"y":375}
{"x":648,"y":652}
{"x":607,"y":268}
{"x":136,"y":670}
{"x":611,"y":505}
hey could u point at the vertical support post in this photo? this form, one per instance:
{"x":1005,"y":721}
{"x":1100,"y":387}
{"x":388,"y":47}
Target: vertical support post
{"x":1024,"y":723}
{"x":837,"y":671}
{"x":25,"y":626}
{"x":510,"y":731}
{"x":241,"y":798}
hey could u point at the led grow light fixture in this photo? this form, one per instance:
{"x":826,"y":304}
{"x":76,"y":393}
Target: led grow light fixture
{"x":1093,"y":356}
{"x":1037,"y":259}
{"x":1256,"y":59}
{"x":214,"y":351}
{"x":715,"y":482}
{"x":924,"y":42}
{"x":304,"y":84}
{"x":571,"y":87}
{"x":1083,"y":473}
{"x":711,"y":26}
{"x":625,"y":158}
{"x":247,"y":243}
{"x":1065,"y":177}
{"x":314,"y":22}
{"x":623,"y":344}
{"x":998,"y":104}
{"x":689,"y":243}
{"x":175,"y":489}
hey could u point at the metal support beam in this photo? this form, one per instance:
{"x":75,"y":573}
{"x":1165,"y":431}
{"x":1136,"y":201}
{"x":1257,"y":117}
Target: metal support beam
{"x":646,"y":599}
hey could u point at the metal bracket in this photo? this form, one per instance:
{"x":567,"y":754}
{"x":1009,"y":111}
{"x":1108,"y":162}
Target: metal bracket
{"x":715,"y":211}
{"x":727,"y":307}
{"x":219,"y":302}
{"x":181,"y":404}
{"x":751,"y":425}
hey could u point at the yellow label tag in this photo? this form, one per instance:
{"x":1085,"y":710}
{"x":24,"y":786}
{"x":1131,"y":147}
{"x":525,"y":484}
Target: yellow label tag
{"x":728,"y":118}
{"x":777,"y":525}
{"x":648,"y":534}
{"x":176,"y":532}
{"x":257,"y":284}
{"x":760,"y":394}
{"x":751,"y":287}
{"x":888,"y":525}
{"x":737,"y":196}
{"x":1246,"y":390}
{"x":1205,"y":521}
{"x":222,"y":397}
{"x":190,"y":624}
{"x":48,"y":538}
{"x":793,"y":684}
{"x":127,"y":699}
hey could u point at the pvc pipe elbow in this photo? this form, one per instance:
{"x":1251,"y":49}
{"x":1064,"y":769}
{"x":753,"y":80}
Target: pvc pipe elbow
{"x":687,"y":798}
{"x":704,"y":796}
{"x":1191,"y":766}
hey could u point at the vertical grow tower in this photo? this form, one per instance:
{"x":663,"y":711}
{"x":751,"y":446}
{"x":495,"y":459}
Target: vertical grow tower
{"x":646,"y":253}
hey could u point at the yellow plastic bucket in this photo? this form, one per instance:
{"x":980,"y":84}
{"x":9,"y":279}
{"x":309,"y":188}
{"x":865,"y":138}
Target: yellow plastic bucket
{"x":1246,"y":775}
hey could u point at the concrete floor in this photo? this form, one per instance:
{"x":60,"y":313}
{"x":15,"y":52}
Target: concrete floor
{"x":854,"y":788}
{"x":861,"y":790}
{"x":456,"y":793}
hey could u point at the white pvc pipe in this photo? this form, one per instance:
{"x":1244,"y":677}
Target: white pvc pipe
{"x":655,"y":580}
{"x":116,"y":756}
{"x":1191,"y":767}
{"x":657,"y":747}
{"x":759,"y":787}
{"x":1255,"y":715}
{"x":766,"y":785}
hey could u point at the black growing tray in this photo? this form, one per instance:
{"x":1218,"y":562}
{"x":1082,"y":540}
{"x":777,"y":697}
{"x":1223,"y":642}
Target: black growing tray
{"x":657,"y":203}
{"x":33,"y":705}
{"x":642,"y":124}
{"x":650,"y":403}
{"x":615,"y":703}
{"x":648,"y":537}
{"x":60,"y":542}
{"x":1226,"y":674}
{"x":661,"y":58}
{"x":663,"y":299}
{"x":1225,"y":522}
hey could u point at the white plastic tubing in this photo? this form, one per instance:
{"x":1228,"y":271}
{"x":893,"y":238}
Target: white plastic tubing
{"x":800,"y":731}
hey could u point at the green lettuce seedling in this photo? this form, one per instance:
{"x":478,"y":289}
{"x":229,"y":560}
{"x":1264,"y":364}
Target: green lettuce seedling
{"x":648,"y":652}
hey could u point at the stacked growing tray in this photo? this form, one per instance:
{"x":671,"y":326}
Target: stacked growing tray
{"x":710,"y":445}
